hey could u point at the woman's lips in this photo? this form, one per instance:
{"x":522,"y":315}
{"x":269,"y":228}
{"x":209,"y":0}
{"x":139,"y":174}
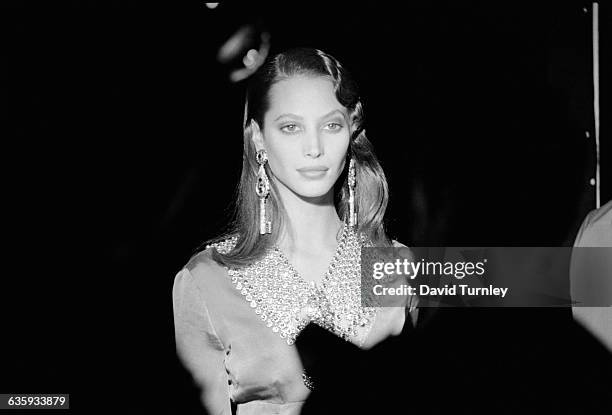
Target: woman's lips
{"x":313,"y":173}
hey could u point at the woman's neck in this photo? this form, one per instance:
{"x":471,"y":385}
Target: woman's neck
{"x":314,"y":223}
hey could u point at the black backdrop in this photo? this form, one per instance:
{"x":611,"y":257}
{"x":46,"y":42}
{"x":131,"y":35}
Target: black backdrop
{"x":124,"y":148}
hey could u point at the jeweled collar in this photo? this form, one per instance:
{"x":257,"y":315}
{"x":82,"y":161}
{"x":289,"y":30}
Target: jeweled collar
{"x":287,"y":303}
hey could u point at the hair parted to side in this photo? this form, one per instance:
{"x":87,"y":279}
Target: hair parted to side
{"x":371,"y":190}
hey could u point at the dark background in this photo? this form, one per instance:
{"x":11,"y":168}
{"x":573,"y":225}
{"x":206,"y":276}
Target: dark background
{"x":124,"y":147}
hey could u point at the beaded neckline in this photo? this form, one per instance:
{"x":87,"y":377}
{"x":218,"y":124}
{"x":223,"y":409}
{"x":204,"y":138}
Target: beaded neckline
{"x":332,"y":264}
{"x":286,"y":302}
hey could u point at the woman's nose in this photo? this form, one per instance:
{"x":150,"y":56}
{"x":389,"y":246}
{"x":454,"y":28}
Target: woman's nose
{"x":313,"y":145}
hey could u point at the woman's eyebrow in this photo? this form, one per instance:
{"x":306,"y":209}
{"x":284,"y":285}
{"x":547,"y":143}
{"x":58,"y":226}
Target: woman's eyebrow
{"x":301,"y":118}
{"x":288,"y":115}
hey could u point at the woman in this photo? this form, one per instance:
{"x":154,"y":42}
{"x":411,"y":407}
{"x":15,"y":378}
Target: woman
{"x":311,"y":194}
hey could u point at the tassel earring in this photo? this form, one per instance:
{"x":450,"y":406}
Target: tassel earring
{"x":351,"y":186}
{"x":262,"y":188}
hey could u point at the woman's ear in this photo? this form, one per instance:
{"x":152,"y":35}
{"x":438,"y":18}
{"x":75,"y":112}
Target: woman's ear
{"x":256,"y":135}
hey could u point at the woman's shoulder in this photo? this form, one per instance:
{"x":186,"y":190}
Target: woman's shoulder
{"x":201,"y":262}
{"x":199,"y":271}
{"x":202,"y":269}
{"x":397,"y":244}
{"x":204,"y":259}
{"x":405,"y":251}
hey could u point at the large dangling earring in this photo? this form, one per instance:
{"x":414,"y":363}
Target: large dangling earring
{"x":262,"y":188}
{"x":351,"y":186}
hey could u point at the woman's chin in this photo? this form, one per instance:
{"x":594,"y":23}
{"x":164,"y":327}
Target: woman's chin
{"x":312,"y":192}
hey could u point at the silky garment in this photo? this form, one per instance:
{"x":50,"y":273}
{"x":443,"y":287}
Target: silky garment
{"x":235,"y":328}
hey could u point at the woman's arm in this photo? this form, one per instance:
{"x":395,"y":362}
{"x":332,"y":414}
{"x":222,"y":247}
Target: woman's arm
{"x":198,"y":345}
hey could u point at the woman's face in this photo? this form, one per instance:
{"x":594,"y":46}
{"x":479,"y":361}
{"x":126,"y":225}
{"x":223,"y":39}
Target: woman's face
{"x":305,"y":128}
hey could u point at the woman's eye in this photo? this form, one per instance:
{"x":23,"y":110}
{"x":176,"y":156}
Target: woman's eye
{"x":333,"y":126}
{"x":289,"y":128}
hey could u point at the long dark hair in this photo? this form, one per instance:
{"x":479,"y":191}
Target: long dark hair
{"x":371,"y":190}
